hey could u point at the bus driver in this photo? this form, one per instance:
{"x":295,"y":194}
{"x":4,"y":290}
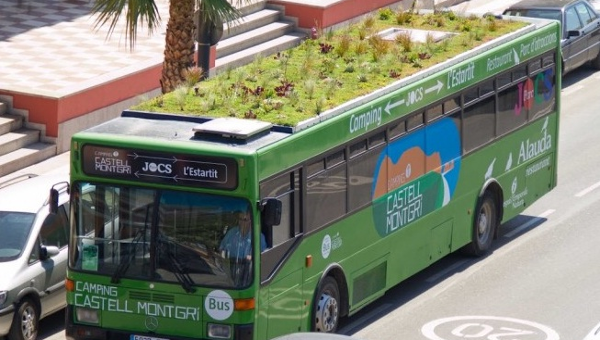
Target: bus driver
{"x":237,"y":242}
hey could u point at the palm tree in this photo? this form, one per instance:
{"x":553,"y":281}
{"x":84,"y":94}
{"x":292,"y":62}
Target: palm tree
{"x":179,"y":41}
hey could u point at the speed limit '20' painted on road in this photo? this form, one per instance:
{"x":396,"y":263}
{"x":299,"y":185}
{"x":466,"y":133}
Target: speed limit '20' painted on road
{"x":486,"y":328}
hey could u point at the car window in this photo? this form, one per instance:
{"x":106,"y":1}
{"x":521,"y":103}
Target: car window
{"x":55,"y":228}
{"x":572,"y":20}
{"x":585,"y":13}
{"x":14,"y":228}
{"x":551,"y":14}
{"x":54,"y":232}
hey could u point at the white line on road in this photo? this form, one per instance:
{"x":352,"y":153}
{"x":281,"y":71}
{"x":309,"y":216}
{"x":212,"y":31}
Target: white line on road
{"x":572,"y":89}
{"x":446,"y":271}
{"x":587,"y":190}
{"x":529,"y":223}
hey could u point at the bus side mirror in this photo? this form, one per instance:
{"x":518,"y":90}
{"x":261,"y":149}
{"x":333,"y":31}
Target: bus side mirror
{"x":53,"y":201}
{"x":271,"y":211}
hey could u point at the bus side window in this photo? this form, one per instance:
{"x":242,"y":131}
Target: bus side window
{"x":283,"y":188}
{"x":281,"y":238}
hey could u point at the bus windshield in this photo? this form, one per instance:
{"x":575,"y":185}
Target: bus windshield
{"x":172,"y":236}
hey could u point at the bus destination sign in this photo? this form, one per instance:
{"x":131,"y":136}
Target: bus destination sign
{"x":159,"y":167}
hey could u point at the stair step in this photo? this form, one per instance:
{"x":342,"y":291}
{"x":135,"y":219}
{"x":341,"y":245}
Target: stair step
{"x":10,"y":123}
{"x":254,"y":37}
{"x":265,"y":49}
{"x":251,"y":6}
{"x":26,"y":156}
{"x":17,"y":139}
{"x":250,"y":22}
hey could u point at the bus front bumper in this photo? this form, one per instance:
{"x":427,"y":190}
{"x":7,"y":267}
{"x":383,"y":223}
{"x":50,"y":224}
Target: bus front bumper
{"x":87,"y":332}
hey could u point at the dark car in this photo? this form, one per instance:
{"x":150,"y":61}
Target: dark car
{"x":580,"y":27}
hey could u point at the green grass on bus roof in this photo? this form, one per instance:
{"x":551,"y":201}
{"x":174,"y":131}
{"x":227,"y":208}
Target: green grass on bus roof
{"x":322,"y":73}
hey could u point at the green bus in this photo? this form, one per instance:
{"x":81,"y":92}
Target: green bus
{"x":196,"y":228}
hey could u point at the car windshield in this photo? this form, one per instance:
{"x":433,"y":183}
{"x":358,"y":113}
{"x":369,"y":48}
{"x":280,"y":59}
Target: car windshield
{"x":553,"y":14}
{"x":14,"y":228}
{"x":161,"y":235}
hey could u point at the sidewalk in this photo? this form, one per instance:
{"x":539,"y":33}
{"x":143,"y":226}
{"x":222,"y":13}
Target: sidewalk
{"x":56,"y":164}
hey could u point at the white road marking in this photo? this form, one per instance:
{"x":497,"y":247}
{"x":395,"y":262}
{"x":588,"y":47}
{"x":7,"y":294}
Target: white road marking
{"x":587,"y":190}
{"x":489,"y":327}
{"x":572,"y":89}
{"x":529,"y":223}
{"x":594,"y":333}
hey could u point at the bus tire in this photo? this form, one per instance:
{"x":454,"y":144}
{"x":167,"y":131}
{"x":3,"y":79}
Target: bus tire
{"x":25,"y":321}
{"x":327,"y":306}
{"x":485,"y":224}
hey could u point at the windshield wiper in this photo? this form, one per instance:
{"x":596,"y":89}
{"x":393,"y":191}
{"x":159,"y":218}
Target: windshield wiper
{"x":180,"y":273}
{"x":126,"y":260}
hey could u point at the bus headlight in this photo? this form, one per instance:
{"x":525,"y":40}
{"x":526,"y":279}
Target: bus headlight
{"x":87,"y":315}
{"x":219,"y":331}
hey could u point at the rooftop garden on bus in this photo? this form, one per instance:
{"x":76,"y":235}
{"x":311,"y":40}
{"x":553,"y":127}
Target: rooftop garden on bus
{"x":331,"y":67}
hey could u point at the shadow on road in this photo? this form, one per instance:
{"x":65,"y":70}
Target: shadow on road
{"x":431,"y":276}
{"x":53,"y":327}
{"x":577,"y":75}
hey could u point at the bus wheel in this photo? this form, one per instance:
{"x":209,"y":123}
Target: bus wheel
{"x":484,"y":226}
{"x":25,"y":323}
{"x":327,"y":306}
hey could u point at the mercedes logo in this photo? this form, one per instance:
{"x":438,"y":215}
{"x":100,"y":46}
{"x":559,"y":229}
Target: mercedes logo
{"x":151,"y":323}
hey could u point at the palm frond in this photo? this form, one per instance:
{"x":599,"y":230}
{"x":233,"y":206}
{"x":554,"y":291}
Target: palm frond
{"x":220,"y":10}
{"x":136,"y":12}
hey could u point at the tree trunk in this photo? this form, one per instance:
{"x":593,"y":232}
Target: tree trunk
{"x":179,"y":46}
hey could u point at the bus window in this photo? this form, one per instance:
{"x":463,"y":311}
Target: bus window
{"x":434,"y":112}
{"x":397,"y":130}
{"x":414,"y":122}
{"x":479,"y":124}
{"x":508,"y":118}
{"x":283,"y":188}
{"x":326,"y":195}
{"x":358,"y":148}
{"x":360,"y":177}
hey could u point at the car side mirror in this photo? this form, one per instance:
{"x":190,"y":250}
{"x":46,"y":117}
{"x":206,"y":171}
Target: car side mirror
{"x":47,"y":252}
{"x":573,"y":33}
{"x":271,"y":211}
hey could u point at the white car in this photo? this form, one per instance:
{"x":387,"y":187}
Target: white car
{"x":33,"y":253}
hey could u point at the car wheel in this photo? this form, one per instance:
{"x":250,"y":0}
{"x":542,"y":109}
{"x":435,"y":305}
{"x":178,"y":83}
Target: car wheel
{"x":484,"y":226}
{"x":25,"y":322}
{"x":327,"y":306}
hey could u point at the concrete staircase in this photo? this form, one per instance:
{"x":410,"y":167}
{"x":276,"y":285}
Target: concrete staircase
{"x":261,"y":30}
{"x":20,"y":146}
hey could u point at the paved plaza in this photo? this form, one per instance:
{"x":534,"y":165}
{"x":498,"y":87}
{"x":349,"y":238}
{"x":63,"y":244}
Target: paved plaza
{"x":51,"y":47}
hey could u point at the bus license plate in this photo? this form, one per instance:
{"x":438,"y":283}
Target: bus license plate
{"x":144,"y":337}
